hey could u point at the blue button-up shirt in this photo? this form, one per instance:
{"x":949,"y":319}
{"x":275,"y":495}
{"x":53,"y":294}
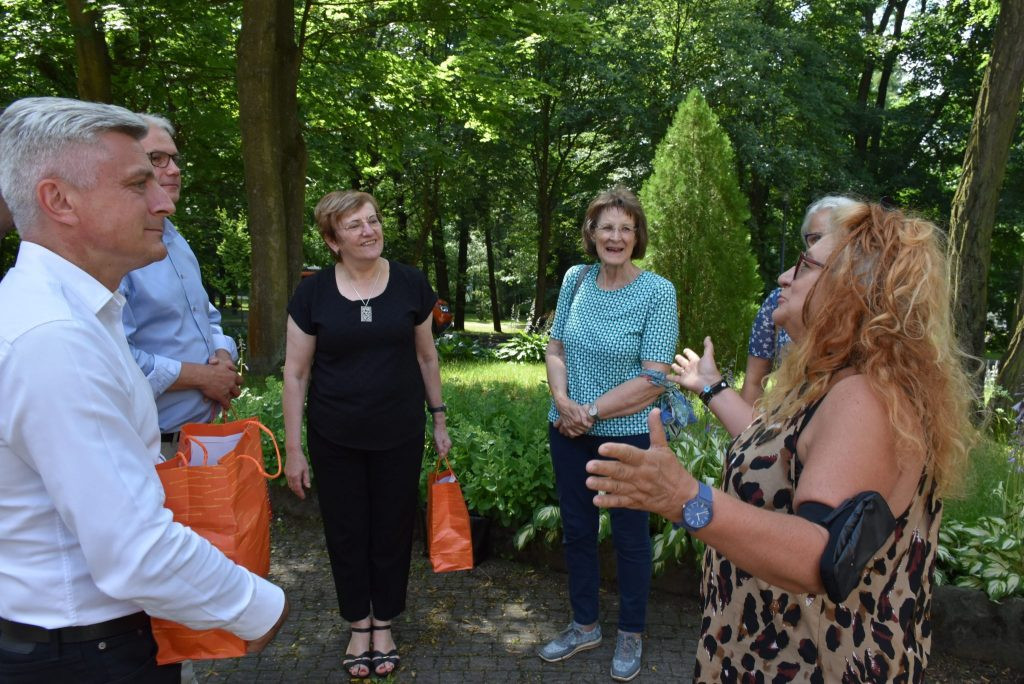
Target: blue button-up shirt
{"x":168,"y":319}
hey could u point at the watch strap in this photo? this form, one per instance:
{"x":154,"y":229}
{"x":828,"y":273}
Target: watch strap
{"x":709,"y":391}
{"x":440,"y":408}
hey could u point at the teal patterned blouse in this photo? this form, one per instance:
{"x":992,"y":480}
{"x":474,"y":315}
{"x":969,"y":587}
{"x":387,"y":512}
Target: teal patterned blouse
{"x":607,"y":335}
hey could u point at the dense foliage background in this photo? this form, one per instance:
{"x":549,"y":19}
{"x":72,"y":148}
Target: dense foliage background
{"x":485,"y":126}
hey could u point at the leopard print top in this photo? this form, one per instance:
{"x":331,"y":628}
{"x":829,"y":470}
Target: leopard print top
{"x":753,"y":631}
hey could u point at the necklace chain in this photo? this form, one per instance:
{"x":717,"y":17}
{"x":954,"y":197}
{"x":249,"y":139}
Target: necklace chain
{"x":352,"y":282}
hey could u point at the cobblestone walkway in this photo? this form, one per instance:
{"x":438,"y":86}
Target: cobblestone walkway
{"x":483,"y":625}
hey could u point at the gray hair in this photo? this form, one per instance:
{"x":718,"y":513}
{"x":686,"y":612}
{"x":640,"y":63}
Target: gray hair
{"x":159,"y":121}
{"x":829,"y":203}
{"x":50,"y":137}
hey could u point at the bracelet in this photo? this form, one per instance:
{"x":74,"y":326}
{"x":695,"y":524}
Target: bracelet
{"x":709,"y":391}
{"x":440,"y":408}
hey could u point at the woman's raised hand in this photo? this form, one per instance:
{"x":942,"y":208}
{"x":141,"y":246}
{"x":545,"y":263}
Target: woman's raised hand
{"x":694,"y":372}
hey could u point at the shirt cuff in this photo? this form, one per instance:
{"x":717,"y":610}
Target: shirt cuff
{"x":164,"y":374}
{"x":262,"y":613}
{"x":227,"y":344}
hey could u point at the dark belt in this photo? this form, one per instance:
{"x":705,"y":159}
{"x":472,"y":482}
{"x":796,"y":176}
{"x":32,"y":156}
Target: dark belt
{"x":169,"y":437}
{"x":72,"y":635}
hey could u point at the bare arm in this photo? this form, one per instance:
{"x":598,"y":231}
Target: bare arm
{"x":753,"y":378}
{"x":574,"y":420}
{"x":426,"y":356}
{"x":631,"y":396}
{"x":298,"y":360}
{"x":847,"y":449}
{"x":695,"y":373}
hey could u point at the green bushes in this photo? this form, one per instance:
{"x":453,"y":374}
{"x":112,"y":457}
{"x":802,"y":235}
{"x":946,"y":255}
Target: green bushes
{"x":263,"y":401}
{"x":526,"y":347}
{"x":497,"y":420}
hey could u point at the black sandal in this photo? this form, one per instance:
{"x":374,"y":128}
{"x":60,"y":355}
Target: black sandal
{"x":379,"y":658}
{"x":353,"y":662}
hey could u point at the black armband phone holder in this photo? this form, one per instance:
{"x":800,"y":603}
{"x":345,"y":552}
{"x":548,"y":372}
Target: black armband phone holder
{"x":857,"y":528}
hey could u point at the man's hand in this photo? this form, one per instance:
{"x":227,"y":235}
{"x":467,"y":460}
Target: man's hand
{"x":644,"y":479}
{"x":258,"y":645}
{"x":221,"y":381}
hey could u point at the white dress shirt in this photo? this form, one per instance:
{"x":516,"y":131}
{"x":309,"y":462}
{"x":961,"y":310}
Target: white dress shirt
{"x":84,"y":536}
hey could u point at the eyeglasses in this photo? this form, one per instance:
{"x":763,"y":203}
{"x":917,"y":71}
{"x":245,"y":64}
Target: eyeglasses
{"x":608,"y":231}
{"x":804,"y":259}
{"x":373,"y":221}
{"x":161,"y":159}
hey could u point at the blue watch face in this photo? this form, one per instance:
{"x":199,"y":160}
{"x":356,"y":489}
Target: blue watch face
{"x":707,"y":388}
{"x":696,"y":514}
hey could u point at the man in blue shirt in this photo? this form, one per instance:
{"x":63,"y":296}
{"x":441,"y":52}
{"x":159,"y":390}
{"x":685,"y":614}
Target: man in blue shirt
{"x":173,"y":330}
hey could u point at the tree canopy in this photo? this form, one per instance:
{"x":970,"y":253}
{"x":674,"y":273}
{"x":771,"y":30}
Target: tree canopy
{"x":484,"y":127}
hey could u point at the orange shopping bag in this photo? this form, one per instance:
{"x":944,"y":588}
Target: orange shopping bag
{"x":217,"y":485}
{"x":451,"y":545}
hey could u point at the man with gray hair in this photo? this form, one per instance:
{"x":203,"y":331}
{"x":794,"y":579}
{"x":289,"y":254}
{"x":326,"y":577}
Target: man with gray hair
{"x":173,"y":330}
{"x":87,"y":548}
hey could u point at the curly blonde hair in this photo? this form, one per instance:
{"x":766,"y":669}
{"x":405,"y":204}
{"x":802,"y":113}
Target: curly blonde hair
{"x":883,"y":308}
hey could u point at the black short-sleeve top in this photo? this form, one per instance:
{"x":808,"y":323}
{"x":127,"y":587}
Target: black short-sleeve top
{"x":365,"y":390}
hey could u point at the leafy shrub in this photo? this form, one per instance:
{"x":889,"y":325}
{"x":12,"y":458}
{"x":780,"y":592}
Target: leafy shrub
{"x":988,"y":553}
{"x":497,"y":423}
{"x":526,"y":347}
{"x":456,"y":346}
{"x":264,"y":402}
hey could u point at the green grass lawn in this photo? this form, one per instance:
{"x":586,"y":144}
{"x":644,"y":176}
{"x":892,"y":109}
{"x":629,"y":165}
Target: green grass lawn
{"x":987,"y":468}
{"x":479,"y":326}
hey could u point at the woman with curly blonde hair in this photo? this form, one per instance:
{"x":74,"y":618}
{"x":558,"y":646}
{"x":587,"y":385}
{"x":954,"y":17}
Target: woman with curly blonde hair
{"x":821,"y":544}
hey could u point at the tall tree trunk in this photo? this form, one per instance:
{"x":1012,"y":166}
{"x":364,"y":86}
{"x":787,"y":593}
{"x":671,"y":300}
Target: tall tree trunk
{"x":1011,"y":366}
{"x":544,"y":210}
{"x":459,"y":321}
{"x":492,"y":283}
{"x":888,"y":64}
{"x":274,"y":159}
{"x":437,"y":240}
{"x":974,"y":205}
{"x":91,"y":54}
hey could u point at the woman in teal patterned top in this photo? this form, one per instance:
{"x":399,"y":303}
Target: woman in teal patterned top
{"x":612,"y":322}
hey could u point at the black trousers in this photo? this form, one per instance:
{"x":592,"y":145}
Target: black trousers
{"x":369,"y":501}
{"x":127,"y":657}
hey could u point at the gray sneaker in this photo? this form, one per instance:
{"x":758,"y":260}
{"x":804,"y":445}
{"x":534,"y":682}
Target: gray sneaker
{"x":629,"y":648}
{"x":570,"y":642}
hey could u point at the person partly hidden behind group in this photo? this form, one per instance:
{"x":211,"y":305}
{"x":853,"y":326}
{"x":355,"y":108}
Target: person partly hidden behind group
{"x":821,"y":542}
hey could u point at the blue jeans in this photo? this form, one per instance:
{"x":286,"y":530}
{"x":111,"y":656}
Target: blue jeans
{"x":630,"y":532}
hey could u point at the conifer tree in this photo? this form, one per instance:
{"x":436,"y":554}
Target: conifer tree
{"x":698,"y":239}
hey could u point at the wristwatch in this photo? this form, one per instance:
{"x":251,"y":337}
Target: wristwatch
{"x":440,"y":408}
{"x":697,"y":512}
{"x":592,"y":411}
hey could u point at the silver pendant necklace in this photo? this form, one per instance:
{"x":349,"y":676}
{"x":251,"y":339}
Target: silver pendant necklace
{"x":365,"y":311}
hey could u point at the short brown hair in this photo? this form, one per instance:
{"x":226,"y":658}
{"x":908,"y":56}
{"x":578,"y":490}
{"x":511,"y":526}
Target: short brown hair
{"x":621,"y":198}
{"x":336,"y":204}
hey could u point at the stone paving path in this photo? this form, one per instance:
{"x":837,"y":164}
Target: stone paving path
{"x":482,"y":625}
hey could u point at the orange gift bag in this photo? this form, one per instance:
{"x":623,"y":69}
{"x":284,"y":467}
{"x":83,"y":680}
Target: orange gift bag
{"x":451,"y":544}
{"x":217,"y":485}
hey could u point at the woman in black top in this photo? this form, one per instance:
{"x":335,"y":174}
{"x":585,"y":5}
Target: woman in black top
{"x":359,"y":341}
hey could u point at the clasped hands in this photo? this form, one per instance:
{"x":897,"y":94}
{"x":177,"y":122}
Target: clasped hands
{"x":573,"y":419}
{"x":223,"y":382}
{"x":653,"y":479}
